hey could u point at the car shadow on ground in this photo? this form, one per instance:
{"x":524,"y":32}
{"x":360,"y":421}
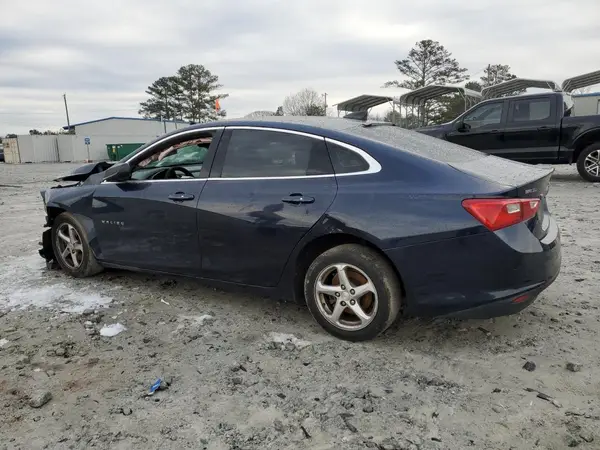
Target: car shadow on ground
{"x":416,"y":334}
{"x":574,"y":177}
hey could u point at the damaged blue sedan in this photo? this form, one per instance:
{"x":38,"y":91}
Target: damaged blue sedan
{"x":361,"y":221}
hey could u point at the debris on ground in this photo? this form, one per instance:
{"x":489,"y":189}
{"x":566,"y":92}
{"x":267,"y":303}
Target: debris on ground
{"x":3,"y":342}
{"x":529,"y":366}
{"x":40,"y":398}
{"x":285,"y":341}
{"x":205,"y":319}
{"x":484,"y":331}
{"x":548,"y":399}
{"x":154,"y":387}
{"x":112,"y":330}
{"x":160,"y":384}
{"x":574,"y":367}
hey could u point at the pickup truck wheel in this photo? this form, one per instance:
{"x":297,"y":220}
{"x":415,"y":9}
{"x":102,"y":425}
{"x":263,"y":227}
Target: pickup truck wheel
{"x":588,"y":163}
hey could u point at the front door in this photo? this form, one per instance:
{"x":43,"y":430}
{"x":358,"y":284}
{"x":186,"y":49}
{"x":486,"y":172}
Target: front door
{"x":481,"y":129}
{"x":267,"y":190}
{"x":150,"y":221}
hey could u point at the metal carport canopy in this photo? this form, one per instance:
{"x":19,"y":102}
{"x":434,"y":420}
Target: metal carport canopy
{"x":517,"y":84}
{"x":363,"y":103}
{"x":433,"y":91}
{"x":580,"y":81}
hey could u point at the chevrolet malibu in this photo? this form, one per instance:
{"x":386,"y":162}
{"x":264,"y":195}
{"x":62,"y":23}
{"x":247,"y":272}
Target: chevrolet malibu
{"x":361,"y":221}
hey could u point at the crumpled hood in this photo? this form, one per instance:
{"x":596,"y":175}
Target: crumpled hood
{"x":83,"y":172}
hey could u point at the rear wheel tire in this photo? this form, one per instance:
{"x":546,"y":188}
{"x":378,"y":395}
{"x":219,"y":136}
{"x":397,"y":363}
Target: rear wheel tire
{"x":588,"y":163}
{"x":71,"y":248}
{"x":352,"y":292}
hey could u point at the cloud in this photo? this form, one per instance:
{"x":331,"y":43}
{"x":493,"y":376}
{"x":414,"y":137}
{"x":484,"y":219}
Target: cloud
{"x":105,"y":54}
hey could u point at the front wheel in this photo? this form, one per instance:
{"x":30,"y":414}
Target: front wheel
{"x":588,"y":163}
{"x":352,"y":292}
{"x":71,"y":248}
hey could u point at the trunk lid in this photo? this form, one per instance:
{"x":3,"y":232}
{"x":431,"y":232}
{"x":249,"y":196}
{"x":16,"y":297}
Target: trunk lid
{"x":520,"y":181}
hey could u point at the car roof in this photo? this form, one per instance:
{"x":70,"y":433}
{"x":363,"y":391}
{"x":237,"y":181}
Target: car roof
{"x":292,"y":122}
{"x":357,"y":132}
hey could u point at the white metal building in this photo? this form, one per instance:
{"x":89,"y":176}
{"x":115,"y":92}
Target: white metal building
{"x":72,"y":147}
{"x":113,"y":130}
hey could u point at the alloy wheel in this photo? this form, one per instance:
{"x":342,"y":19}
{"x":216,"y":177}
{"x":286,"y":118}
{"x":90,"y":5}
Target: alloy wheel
{"x":70,"y":245}
{"x":346,"y":296}
{"x":592,"y":163}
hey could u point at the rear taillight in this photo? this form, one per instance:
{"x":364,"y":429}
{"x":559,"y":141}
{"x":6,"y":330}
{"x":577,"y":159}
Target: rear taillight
{"x":497,"y":213}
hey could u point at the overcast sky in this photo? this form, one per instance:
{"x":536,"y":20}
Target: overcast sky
{"x":104,"y":54}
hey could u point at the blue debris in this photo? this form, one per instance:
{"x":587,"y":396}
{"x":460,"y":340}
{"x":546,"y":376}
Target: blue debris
{"x":154,"y":387}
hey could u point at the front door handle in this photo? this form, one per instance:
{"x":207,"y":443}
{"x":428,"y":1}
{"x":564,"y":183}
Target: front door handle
{"x":543,"y":128}
{"x":181,"y":197}
{"x":297,"y":199}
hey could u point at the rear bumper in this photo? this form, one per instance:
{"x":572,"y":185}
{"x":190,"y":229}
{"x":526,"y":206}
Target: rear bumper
{"x":504,"y":307}
{"x":478,"y":276}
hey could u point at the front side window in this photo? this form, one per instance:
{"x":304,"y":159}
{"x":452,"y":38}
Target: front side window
{"x":264,"y":154}
{"x":185,"y":153}
{"x":489,"y":114}
{"x":530,"y":110}
{"x":182,"y":159}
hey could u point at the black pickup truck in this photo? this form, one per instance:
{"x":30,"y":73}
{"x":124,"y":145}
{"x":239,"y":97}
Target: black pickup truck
{"x":535,"y":129}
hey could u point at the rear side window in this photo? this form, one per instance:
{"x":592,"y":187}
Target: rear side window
{"x":530,"y":110}
{"x":264,"y":154}
{"x":345,"y":160}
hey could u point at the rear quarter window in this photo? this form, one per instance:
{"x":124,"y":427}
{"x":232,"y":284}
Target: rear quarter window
{"x":345,"y":160}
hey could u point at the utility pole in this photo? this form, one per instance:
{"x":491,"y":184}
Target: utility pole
{"x":325,"y":109}
{"x":67,"y":111}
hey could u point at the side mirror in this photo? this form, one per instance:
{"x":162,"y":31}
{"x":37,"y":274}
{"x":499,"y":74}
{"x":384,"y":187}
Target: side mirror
{"x":118,"y":172}
{"x":462,"y":127}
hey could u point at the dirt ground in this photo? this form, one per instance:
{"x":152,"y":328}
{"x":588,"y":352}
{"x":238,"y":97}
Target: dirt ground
{"x":252,"y":373}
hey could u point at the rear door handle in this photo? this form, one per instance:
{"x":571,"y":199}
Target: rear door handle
{"x":297,"y":199}
{"x":181,"y":197}
{"x":543,"y":128}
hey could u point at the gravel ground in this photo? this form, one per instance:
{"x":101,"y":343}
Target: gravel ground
{"x":241,"y":372}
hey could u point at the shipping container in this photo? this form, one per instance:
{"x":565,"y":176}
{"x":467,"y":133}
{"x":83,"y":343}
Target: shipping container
{"x":37,"y":148}
{"x":11,"y":151}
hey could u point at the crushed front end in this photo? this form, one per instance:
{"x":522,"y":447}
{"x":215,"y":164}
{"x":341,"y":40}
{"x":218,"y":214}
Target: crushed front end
{"x":47,"y":252}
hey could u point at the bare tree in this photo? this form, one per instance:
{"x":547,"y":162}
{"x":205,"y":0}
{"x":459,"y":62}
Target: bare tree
{"x":307,"y":102}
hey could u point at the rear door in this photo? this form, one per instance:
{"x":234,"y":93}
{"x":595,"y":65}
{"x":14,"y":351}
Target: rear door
{"x":483,"y":128}
{"x":267,"y":189}
{"x":532,"y":132}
